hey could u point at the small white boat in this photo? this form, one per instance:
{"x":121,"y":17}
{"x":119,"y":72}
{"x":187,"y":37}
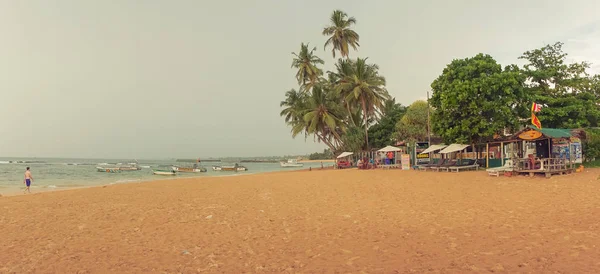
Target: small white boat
{"x":235,"y":167}
{"x":291,"y":163}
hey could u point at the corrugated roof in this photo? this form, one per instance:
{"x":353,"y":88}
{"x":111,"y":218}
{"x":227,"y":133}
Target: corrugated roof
{"x":554,"y":132}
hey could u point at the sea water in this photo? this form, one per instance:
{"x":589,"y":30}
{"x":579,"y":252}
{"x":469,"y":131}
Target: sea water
{"x":55,"y":173}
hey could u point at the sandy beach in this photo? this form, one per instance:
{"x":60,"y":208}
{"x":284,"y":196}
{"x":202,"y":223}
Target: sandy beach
{"x":331,"y":221}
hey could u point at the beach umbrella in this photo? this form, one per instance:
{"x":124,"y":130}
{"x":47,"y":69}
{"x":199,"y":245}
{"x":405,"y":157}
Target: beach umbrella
{"x":433,"y":148}
{"x":345,"y":154}
{"x":389,"y":149}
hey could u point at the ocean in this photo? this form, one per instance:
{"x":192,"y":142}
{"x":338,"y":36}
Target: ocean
{"x":63,"y":173}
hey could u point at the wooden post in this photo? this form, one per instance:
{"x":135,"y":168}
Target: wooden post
{"x":501,"y":153}
{"x":428,"y":126}
{"x":487,"y":155}
{"x":549,"y":149}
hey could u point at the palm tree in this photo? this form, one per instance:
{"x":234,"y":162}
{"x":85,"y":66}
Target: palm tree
{"x":295,"y":105}
{"x":364,"y":87}
{"x":341,"y":36}
{"x":323,"y":117}
{"x":344,"y":68}
{"x":306,"y":62}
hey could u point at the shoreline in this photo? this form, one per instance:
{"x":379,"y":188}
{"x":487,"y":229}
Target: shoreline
{"x":330,"y":161}
{"x":19,"y":191}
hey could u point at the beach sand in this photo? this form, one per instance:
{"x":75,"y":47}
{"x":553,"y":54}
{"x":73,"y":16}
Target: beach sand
{"x":330,"y":221}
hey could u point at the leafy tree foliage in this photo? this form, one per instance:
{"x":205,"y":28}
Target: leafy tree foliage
{"x":570,"y":96}
{"x":363,"y":86}
{"x":383,"y":133}
{"x":412,"y":126}
{"x":475,"y":98}
{"x":354,"y":139}
{"x":325,"y":155}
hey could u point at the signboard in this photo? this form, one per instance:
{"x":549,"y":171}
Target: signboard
{"x":576,"y":153}
{"x":530,"y":135}
{"x":405,"y":161}
{"x":421,"y":158}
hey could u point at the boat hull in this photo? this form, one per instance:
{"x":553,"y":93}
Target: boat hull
{"x":290,"y":165}
{"x":189,"y":169}
{"x":226,"y":168}
{"x":108,"y":169}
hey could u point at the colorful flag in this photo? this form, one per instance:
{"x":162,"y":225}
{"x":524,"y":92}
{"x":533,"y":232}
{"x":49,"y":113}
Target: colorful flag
{"x":536,"y":107}
{"x":535,"y":121}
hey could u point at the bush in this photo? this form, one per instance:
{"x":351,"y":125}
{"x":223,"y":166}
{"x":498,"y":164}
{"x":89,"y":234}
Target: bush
{"x":326,"y":155}
{"x":591,"y":145}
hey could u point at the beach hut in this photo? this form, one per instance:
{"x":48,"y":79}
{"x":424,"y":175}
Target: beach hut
{"x":548,"y":151}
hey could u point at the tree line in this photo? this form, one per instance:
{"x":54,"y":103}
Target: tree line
{"x":475,"y":98}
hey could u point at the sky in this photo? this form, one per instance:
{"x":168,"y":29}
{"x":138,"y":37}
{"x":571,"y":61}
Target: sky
{"x":162,"y":79}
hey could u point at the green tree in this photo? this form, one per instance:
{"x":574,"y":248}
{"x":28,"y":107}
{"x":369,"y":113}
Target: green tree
{"x":326,"y":154}
{"x":412,"y":126}
{"x":354,"y":139}
{"x":306,"y":62}
{"x":383,"y":133}
{"x":363,"y":86}
{"x":474,"y":99}
{"x":564,"y":89}
{"x":341,"y":36}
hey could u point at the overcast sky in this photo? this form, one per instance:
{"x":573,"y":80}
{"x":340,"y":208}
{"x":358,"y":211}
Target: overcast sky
{"x":157,"y":79}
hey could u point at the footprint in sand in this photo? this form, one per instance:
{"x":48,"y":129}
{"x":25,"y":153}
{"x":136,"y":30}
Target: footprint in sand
{"x":351,"y":260}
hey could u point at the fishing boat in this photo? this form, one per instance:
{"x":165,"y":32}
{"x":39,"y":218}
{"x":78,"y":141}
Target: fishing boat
{"x":188,"y":169}
{"x":290,"y":163}
{"x":164,"y":170}
{"x":108,"y":169}
{"x":118,"y":168}
{"x":129,"y":167}
{"x":235,"y":167}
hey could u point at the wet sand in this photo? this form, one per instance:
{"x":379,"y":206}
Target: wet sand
{"x":330,"y":221}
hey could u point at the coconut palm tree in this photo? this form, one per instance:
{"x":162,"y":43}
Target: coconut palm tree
{"x":324,"y":116}
{"x":344,"y":68}
{"x":366,"y":88}
{"x":341,"y":36}
{"x":306,"y":62}
{"x":293,"y":105}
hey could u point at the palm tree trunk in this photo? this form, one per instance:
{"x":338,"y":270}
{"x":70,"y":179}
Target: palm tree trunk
{"x":350,"y":114}
{"x":364,"y":107}
{"x":331,"y":146}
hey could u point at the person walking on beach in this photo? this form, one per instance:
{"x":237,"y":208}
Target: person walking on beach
{"x":28,"y":180}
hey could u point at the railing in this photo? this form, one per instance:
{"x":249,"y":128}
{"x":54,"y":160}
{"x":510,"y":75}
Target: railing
{"x":544,"y":164}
